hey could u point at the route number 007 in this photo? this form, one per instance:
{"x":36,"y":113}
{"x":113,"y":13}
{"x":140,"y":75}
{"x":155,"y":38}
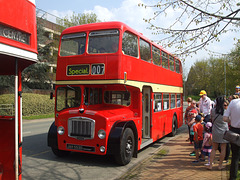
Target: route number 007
{"x":97,"y":69}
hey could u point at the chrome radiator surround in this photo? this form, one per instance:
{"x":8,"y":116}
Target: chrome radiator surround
{"x":81,"y":128}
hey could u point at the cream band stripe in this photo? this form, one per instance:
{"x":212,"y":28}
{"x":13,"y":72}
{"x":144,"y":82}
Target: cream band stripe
{"x":138,"y":84}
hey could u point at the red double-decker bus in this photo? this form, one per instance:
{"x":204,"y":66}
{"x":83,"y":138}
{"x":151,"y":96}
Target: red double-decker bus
{"x":116,"y":92}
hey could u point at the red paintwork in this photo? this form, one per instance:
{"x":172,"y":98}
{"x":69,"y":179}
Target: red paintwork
{"x":115,"y":66}
{"x":7,"y":152}
{"x":20,"y":16}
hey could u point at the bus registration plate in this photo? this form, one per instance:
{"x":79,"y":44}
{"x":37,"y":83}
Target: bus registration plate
{"x":80,"y":148}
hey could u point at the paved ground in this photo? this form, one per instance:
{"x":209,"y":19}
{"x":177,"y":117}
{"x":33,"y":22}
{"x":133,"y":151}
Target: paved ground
{"x":172,"y":161}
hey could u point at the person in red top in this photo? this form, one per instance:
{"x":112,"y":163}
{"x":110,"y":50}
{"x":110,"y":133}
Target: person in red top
{"x":198,"y":137}
{"x":189,"y":116}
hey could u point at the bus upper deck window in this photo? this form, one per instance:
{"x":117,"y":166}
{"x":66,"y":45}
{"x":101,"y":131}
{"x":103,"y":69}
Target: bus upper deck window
{"x":145,"y":50}
{"x":130,"y":44}
{"x":73,"y":44}
{"x":103,"y":41}
{"x":177,"y":66}
{"x":164,"y":60}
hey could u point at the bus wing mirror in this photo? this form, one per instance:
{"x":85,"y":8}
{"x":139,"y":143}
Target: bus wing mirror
{"x":52,"y":95}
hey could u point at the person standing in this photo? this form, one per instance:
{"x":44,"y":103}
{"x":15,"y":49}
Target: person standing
{"x":207,"y":142}
{"x":218,"y":129}
{"x":198,"y":137}
{"x":226,"y":103}
{"x":205,"y":105}
{"x":232,"y":115}
{"x":188,"y":115}
{"x":189,"y":101}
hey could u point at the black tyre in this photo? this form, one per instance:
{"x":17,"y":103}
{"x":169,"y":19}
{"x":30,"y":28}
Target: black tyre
{"x":127,"y":145}
{"x":60,"y":153}
{"x":174,"y":126}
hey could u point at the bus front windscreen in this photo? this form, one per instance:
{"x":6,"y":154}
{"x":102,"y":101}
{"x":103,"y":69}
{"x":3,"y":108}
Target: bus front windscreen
{"x":103,"y":42}
{"x":68,"y":97}
{"x":73,"y":44}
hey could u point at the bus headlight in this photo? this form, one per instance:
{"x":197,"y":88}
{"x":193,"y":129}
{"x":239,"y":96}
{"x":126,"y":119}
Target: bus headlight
{"x":101,"y":134}
{"x":60,"y":130}
{"x":102,"y":149}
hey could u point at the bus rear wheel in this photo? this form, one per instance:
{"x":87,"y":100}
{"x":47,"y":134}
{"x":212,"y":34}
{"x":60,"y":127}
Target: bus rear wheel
{"x":60,"y":153}
{"x":127,"y":145}
{"x":174,"y":126}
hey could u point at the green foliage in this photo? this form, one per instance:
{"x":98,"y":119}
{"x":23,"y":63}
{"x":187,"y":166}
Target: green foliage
{"x":210,"y":75}
{"x":77,"y":19}
{"x":7,"y":82}
{"x":32,"y":104}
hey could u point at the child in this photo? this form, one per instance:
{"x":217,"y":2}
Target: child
{"x":198,"y":137}
{"x":193,"y":114}
{"x":207,"y":142}
{"x":191,"y":123}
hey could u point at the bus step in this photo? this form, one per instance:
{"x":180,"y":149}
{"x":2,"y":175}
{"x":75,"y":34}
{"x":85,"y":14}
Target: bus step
{"x":146,"y":142}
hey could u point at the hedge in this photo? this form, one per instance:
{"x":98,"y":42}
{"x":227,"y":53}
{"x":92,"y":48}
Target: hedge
{"x":32,"y":104}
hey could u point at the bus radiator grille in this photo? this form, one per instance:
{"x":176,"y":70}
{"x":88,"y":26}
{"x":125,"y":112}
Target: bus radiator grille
{"x":81,"y":128}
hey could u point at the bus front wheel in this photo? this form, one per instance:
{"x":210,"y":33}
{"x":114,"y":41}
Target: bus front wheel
{"x":127,"y":145}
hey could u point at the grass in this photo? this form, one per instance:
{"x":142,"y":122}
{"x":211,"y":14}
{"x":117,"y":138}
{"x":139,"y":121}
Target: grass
{"x":160,"y":154}
{"x":41,"y":116}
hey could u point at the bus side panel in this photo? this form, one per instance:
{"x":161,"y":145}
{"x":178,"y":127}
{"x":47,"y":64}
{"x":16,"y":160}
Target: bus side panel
{"x":159,"y":126}
{"x":143,"y":71}
{"x":162,"y":122}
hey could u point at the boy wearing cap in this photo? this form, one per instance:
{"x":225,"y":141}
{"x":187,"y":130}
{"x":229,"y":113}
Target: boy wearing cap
{"x":205,"y":105}
{"x":191,"y":122}
{"x":198,"y":137}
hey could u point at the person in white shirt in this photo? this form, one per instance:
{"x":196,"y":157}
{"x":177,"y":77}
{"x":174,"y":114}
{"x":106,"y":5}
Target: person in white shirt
{"x":232,"y":115}
{"x":205,"y":105}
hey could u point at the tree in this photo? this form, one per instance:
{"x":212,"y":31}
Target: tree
{"x":234,"y":61}
{"x":215,"y":75}
{"x":198,"y":78}
{"x":77,"y":19}
{"x":36,"y":76}
{"x":198,"y":22}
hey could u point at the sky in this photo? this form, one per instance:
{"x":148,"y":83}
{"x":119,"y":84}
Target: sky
{"x":128,"y":11}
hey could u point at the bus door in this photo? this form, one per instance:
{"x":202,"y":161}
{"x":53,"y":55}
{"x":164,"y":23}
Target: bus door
{"x":146,"y":112}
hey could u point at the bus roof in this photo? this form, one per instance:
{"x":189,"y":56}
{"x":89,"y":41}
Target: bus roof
{"x":110,"y":25}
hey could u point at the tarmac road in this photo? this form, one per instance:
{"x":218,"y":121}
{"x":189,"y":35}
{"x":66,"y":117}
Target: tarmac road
{"x":40,"y":163}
